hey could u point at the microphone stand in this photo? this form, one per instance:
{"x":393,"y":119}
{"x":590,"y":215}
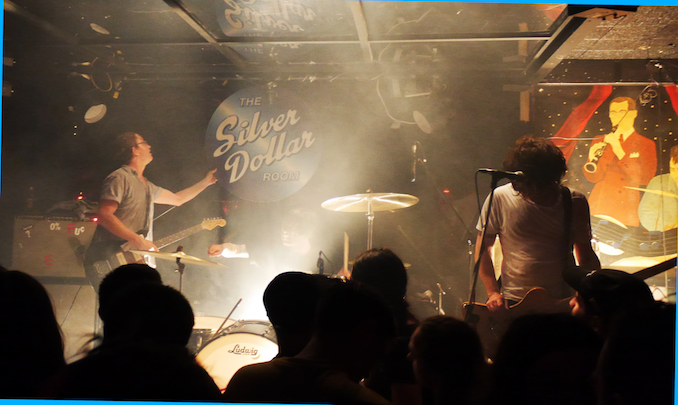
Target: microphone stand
{"x":321,"y":263}
{"x":470,"y":317}
{"x":468,"y":234}
{"x":328,"y":261}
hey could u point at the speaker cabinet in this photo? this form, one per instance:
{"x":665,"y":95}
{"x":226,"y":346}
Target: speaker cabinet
{"x":51,"y":246}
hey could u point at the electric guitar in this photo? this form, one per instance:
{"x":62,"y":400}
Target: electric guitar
{"x":491,"y":326}
{"x":103,"y":257}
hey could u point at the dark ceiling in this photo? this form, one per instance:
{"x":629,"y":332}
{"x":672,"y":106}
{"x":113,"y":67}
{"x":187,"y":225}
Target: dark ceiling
{"x":312,"y":40}
{"x":261,"y":40}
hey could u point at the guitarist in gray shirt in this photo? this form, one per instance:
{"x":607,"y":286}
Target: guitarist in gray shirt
{"x":528,"y":215}
{"x":126,"y":204}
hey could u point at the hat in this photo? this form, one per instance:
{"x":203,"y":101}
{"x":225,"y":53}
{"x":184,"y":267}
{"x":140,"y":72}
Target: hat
{"x":607,"y":291}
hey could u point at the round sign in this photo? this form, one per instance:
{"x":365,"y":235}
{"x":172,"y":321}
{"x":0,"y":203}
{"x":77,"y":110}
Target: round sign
{"x":264,"y":144}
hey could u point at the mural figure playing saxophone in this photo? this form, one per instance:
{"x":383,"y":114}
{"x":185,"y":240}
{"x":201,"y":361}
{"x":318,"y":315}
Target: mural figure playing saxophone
{"x":621,"y":159}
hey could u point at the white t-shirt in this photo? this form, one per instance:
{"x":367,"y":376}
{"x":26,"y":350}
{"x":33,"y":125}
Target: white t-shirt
{"x":532,"y":241}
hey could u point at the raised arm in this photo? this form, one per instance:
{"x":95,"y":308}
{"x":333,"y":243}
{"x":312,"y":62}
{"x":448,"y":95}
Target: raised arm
{"x":583,"y":251}
{"x":187,"y":194}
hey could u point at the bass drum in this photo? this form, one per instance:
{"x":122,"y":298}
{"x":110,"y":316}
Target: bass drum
{"x":241,"y":344}
{"x":204,"y":328}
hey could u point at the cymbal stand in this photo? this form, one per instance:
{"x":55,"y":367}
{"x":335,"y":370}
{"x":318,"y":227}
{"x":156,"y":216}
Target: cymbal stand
{"x":370,"y":224}
{"x":180,"y":267}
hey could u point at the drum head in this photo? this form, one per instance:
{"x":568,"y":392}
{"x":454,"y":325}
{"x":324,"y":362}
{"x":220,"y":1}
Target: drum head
{"x":241,"y":344}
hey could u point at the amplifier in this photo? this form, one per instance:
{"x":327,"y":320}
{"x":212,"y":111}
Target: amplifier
{"x":51,"y":246}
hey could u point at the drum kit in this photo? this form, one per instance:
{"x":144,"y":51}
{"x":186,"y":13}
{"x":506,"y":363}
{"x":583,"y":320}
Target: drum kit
{"x":222,"y":345}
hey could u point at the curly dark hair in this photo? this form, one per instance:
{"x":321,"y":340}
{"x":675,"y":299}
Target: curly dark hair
{"x":540,"y":160}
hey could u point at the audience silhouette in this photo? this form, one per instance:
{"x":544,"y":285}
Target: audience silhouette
{"x":546,"y":359}
{"x":31,"y":345}
{"x":352,"y":327}
{"x":291,"y":300}
{"x":448,"y":361}
{"x":348,"y":342}
{"x":143,"y":355}
{"x":393,"y":377}
{"x":637,"y":363}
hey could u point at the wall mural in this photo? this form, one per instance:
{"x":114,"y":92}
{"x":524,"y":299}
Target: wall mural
{"x":621,"y":143}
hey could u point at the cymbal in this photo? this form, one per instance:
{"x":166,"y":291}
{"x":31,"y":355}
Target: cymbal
{"x":181,"y":255}
{"x":370,"y":202}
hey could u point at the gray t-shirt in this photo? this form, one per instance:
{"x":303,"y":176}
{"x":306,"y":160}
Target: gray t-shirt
{"x":134,"y":210}
{"x":532,"y":241}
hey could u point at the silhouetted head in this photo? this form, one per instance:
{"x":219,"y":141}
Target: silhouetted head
{"x":291,"y":300}
{"x":637,"y":361}
{"x":445,"y":346}
{"x":123,"y":277}
{"x":353,"y":326}
{"x":148,"y":313}
{"x":546,"y":358}
{"x":382,"y":270}
{"x":31,"y":345}
{"x":606,"y":293}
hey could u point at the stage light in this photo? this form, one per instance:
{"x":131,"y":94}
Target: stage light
{"x":422,"y":122}
{"x":98,"y":28}
{"x":95,"y":113}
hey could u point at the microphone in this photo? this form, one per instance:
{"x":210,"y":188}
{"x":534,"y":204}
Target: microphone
{"x":321,"y":263}
{"x":502,"y":174}
{"x":414,"y":162}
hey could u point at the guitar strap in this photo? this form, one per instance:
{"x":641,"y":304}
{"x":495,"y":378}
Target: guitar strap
{"x":146,"y":232}
{"x":567,"y":224}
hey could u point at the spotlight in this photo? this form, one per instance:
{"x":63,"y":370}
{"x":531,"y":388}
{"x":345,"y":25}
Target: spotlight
{"x":422,"y":122}
{"x":95,"y":113}
{"x":98,"y":28}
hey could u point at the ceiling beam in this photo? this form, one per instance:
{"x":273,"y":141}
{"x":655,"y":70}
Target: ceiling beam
{"x":361,"y":27}
{"x":178,"y":7}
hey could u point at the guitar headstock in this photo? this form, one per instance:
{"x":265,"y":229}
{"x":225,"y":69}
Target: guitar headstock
{"x":210,"y":224}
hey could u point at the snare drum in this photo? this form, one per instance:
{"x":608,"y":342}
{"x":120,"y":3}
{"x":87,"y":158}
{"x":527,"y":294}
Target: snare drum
{"x":241,"y":344}
{"x":204,"y":328}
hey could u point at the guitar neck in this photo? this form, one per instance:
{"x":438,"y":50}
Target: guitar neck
{"x":178,"y":236}
{"x":656,"y":269}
